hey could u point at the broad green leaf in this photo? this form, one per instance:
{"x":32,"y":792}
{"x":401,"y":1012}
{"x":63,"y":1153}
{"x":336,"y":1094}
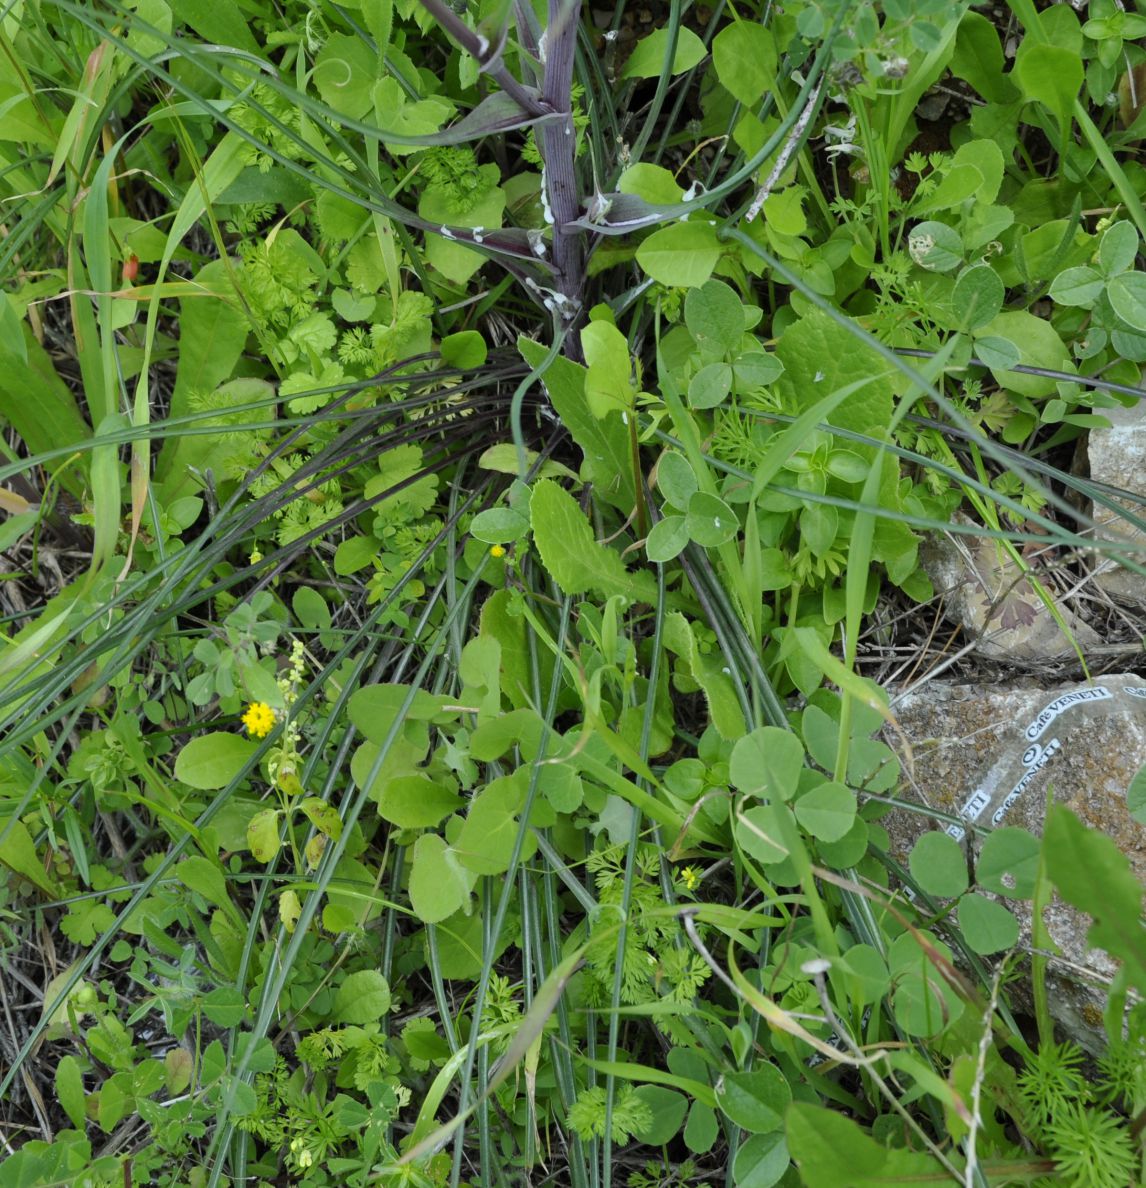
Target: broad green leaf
{"x":957,"y":185}
{"x":438,"y":885}
{"x":213,"y":329}
{"x":400,"y":116}
{"x":744,"y":54}
{"x":37,"y":403}
{"x":574,"y":559}
{"x":415,"y":802}
{"x":1008,"y":862}
{"x":1077,"y":286}
{"x":767,"y":763}
{"x":363,"y":997}
{"x":978,"y":59}
{"x":761,"y":1161}
{"x":648,"y":58}
{"x":452,"y":259}
{"x":466,"y":349}
{"x":18,"y":853}
{"x":608,"y":383}
{"x":373,"y":709}
{"x":653,"y":183}
{"x":667,"y":539}
{"x":821,"y":736}
{"x":867,"y":967}
{"x":999,"y":354}
{"x":707,"y":671}
{"x":504,"y":459}
{"x":1050,"y":75}
{"x":821,"y":360}
{"x":714,"y":315}
{"x":1091,"y":873}
{"x":499,"y":525}
{"x":759,"y":833}
{"x":675,"y":479}
{"x":345,"y":72}
{"x":219,"y":24}
{"x":70,"y":1091}
{"x":939,"y":865}
{"x":1136,"y":796}
{"x":213,"y":760}
{"x":353,"y":554}
{"x":710,"y":387}
{"x":1118,"y":248}
{"x":605,"y":443}
{"x":485,"y":843}
{"x":1038,"y":345}
{"x":508,"y":629}
{"x":827,"y":812}
{"x":228,"y":447}
{"x":710,"y":521}
{"x":987,"y":926}
{"x":977,"y":296}
{"x":1127,"y":294}
{"x":702,"y":1128}
{"x":681,"y":255}
{"x":784,"y":211}
{"x":263,"y":838}
{"x":201,"y":875}
{"x":311,"y":609}
{"x":668,"y":1109}
{"x":755,"y":1100}
{"x":832,"y":1151}
{"x":987,"y":158}
{"x":225,"y":1006}
{"x":323,"y":816}
{"x":12,"y":332}
{"x":923,"y":1004}
{"x":756,"y":369}
{"x":935,"y":246}
{"x":493,"y":738}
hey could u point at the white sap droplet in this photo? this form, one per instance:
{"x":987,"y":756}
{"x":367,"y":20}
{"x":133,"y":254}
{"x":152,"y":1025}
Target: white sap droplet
{"x":546,"y":209}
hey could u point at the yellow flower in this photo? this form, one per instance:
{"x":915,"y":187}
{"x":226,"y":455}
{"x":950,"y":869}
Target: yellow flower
{"x":497,"y":551}
{"x":690,"y":877}
{"x":259,"y":719}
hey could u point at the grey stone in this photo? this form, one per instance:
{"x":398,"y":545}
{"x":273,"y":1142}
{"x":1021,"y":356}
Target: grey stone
{"x":989,"y":756}
{"x":987,"y":592}
{"x":1117,"y":456}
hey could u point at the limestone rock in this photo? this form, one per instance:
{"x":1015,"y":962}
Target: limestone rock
{"x":988,"y":756}
{"x":1117,"y":456}
{"x":987,"y":592}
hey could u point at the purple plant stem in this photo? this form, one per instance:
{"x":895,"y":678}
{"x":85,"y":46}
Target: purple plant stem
{"x":557,"y":142}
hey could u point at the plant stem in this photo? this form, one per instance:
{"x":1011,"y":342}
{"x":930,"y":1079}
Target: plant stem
{"x":558,"y":144}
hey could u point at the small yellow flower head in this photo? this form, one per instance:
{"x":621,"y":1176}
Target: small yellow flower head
{"x":259,"y":719}
{"x":690,"y":877}
{"x":256,"y":556}
{"x":497,"y":551}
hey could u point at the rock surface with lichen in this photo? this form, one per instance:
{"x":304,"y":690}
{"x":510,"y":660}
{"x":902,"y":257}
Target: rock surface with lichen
{"x":1117,"y":457}
{"x":991,"y":757}
{"x":990,"y":595}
